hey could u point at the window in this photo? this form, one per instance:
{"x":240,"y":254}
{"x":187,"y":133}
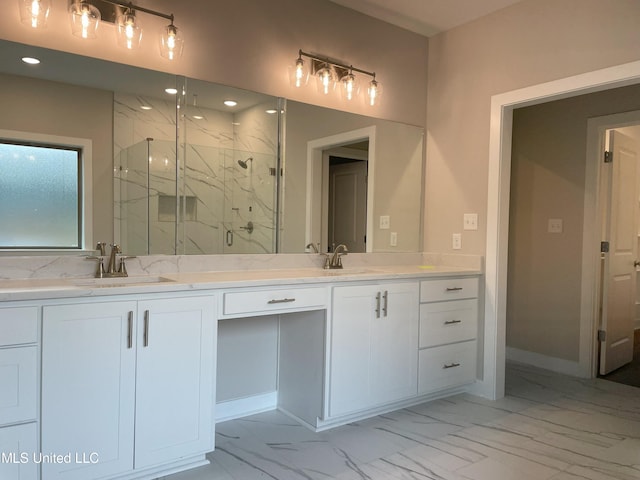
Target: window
{"x":41,"y":195}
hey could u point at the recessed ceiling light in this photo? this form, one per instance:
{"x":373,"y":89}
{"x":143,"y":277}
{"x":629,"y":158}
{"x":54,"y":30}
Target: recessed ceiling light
{"x":230,"y":103}
{"x":171,"y":91}
{"x":145,"y":107}
{"x":235,"y":123}
{"x":271,"y":111}
{"x":30,"y":60}
{"x":198,"y":117}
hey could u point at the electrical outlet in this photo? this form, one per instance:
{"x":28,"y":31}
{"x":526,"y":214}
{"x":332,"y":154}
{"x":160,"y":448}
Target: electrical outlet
{"x":554,"y":225}
{"x":385,"y":222}
{"x":470,"y":221}
{"x":456,"y":241}
{"x":393,"y":239}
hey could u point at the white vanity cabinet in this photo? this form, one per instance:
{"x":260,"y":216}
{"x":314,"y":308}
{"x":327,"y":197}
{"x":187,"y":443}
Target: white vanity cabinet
{"x":18,"y":392}
{"x":448,"y":331}
{"x":127,"y":385}
{"x":374,"y":346}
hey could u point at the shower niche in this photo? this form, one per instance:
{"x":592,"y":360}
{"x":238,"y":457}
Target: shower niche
{"x":193,"y":176}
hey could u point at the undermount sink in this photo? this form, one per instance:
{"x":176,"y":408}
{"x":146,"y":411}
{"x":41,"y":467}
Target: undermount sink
{"x":120,"y":281}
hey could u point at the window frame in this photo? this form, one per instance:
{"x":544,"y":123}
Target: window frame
{"x":85,"y":187}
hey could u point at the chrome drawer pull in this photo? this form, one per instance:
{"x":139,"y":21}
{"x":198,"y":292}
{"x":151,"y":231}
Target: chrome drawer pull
{"x":385,"y":297}
{"x":453,"y":289}
{"x":378,"y":304}
{"x":281,"y":300}
{"x":451,"y":365}
{"x":452,"y":322}
{"x":145,"y":342}
{"x":130,"y":331}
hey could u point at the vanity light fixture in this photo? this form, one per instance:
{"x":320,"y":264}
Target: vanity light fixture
{"x":329,"y":73}
{"x":85,"y":15}
{"x":34,"y":12}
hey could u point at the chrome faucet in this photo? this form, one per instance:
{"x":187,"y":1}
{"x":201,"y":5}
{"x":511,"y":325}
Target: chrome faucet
{"x":334,"y":260}
{"x":111,"y":270}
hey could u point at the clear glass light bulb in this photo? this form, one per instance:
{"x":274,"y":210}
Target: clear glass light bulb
{"x":373,"y":92}
{"x":85,"y":23}
{"x":326,"y":81}
{"x":299,"y":72}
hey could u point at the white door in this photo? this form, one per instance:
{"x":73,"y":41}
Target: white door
{"x":18,"y":445}
{"x":88,"y":389}
{"x":619,"y":273}
{"x":348,"y":205}
{"x":175,"y":394}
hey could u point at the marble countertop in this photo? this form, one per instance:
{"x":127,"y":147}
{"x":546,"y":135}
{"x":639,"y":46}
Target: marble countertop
{"x":53,"y":288}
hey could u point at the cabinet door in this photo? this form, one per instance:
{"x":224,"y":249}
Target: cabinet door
{"x":351,"y":329}
{"x":175,"y":389}
{"x":88,"y":389}
{"x":19,"y":450}
{"x":394,"y":344}
{"x":374,"y":346}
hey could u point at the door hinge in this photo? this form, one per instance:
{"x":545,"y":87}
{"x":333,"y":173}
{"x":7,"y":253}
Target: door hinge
{"x":602,"y":335}
{"x":608,"y":157}
{"x":604,"y":247}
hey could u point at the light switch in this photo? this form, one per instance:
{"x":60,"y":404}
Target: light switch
{"x":554,"y":225}
{"x":470,"y":221}
{"x":385,"y":222}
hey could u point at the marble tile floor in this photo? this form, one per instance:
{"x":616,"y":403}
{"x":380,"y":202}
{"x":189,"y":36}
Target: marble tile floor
{"x":548,"y":426}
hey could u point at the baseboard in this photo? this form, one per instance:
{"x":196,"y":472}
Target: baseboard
{"x":242,"y":407}
{"x":558,"y":365}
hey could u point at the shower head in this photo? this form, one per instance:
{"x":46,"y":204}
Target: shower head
{"x":245,"y":163}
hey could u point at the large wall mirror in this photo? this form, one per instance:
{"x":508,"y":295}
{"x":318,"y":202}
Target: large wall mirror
{"x":179,"y":171}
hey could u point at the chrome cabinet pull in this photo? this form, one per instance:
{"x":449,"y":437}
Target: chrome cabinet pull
{"x":281,"y":300}
{"x":453,"y":289}
{"x":146,"y":328}
{"x":378,"y":304}
{"x":450,"y":365}
{"x":130,"y":330}
{"x":452,"y":322}
{"x":385,"y":296}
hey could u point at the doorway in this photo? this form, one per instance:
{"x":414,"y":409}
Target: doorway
{"x":358,"y":146}
{"x":346,"y":197}
{"x":500,"y":138}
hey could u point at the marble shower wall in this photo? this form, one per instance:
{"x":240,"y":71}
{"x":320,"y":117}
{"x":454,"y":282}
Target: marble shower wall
{"x":218,"y":198}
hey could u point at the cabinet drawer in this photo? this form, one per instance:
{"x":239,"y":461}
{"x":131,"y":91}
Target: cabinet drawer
{"x":18,"y":325}
{"x":446,"y":366}
{"x":18,"y":384}
{"x":448,"y":289}
{"x":448,"y":322}
{"x":19,"y":445}
{"x":257,"y":302}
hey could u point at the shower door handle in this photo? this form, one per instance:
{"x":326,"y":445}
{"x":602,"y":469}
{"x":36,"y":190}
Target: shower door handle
{"x":229,"y":238}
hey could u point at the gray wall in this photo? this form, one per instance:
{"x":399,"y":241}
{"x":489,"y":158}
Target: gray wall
{"x":532,"y":42}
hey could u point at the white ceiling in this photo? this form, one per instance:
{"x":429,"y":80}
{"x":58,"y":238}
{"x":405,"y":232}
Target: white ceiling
{"x":426,"y":17}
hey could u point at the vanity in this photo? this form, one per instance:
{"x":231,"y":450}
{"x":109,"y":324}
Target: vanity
{"x":116,"y":378}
